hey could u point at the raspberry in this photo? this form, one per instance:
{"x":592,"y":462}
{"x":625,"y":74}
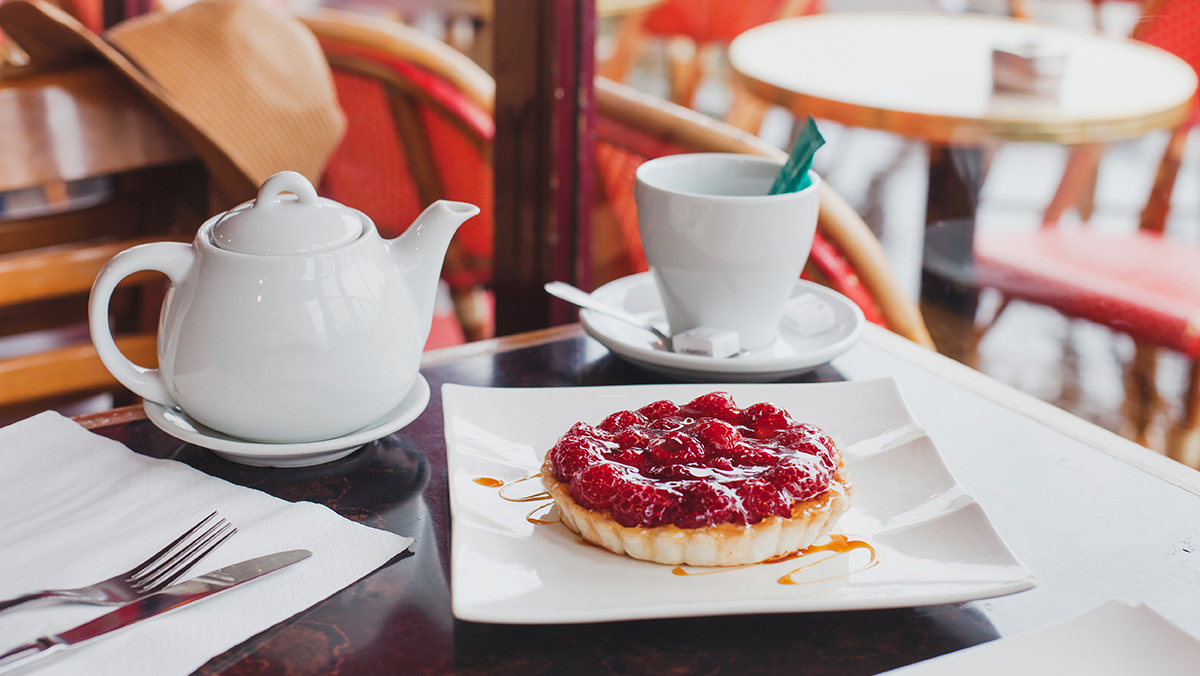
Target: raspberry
{"x":622,"y":420}
{"x":719,"y":463}
{"x":595,"y":486}
{"x":717,"y":405}
{"x":705,"y":504}
{"x":750,"y":455}
{"x":767,"y":419}
{"x":573,"y":454}
{"x":584,"y":430}
{"x":643,"y":504}
{"x":811,"y":440}
{"x":672,"y":472}
{"x":717,"y":436}
{"x":802,"y":477}
{"x":632,"y":457}
{"x":760,"y":500}
{"x":674,"y":448}
{"x":817,"y":434}
{"x":821,"y":445}
{"x":666,"y":424}
{"x":659,"y":409}
{"x":632,"y":438}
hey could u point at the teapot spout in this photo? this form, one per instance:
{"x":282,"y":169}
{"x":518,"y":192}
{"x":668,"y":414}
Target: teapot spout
{"x":420,"y":250}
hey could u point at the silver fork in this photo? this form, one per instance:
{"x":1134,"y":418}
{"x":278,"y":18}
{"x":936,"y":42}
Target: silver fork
{"x":148,"y":577}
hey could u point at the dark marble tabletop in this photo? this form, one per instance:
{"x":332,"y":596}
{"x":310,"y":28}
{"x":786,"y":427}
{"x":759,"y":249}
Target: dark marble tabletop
{"x":398,"y":620}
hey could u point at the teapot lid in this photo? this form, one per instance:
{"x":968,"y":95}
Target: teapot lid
{"x":282,"y":225}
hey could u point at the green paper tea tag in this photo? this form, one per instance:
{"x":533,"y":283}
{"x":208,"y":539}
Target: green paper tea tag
{"x":793,"y":177}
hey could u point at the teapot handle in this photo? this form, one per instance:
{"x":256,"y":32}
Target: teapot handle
{"x":173,"y":259}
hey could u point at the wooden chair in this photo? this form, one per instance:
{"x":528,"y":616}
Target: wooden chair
{"x":1142,"y":284}
{"x":87,"y":169}
{"x":420,"y":129}
{"x":633,"y":127}
{"x":691,"y":27}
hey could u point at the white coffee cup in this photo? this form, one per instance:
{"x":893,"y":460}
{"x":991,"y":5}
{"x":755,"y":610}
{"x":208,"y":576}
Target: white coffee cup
{"x":725,"y":254}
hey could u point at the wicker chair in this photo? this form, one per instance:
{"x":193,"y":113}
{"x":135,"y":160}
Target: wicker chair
{"x":420,"y":129}
{"x":1141,"y":284}
{"x":691,"y":27}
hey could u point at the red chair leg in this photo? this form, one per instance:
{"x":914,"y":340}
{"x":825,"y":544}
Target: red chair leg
{"x":747,"y":111}
{"x":1154,"y":216}
{"x":685,"y":68}
{"x":978,"y":329}
{"x":1141,"y":393}
{"x":1183,"y":443}
{"x":1078,"y":178}
{"x":474,"y":311}
{"x":630,"y":42}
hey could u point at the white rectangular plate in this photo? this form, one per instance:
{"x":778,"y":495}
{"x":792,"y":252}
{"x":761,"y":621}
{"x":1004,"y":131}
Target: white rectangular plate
{"x":933,"y":542}
{"x":1117,"y":638}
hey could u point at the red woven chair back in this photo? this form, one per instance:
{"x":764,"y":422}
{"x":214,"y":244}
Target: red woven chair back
{"x":715,"y":20}
{"x":412,"y":138}
{"x":1174,"y":25}
{"x":90,"y":13}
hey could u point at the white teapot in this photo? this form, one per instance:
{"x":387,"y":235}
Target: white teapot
{"x":289,"y":319}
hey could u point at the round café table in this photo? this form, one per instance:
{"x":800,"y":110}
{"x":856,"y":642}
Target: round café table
{"x":929,"y":76}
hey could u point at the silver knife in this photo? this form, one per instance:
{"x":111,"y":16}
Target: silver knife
{"x":156,"y":604}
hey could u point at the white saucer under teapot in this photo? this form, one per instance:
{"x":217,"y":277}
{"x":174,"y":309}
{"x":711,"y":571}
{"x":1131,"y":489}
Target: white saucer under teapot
{"x":289,"y":319}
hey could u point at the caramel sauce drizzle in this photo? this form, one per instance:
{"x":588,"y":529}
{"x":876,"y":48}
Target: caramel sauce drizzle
{"x":543,"y":497}
{"x":536,"y":497}
{"x":540,"y":521}
{"x":838,"y":544}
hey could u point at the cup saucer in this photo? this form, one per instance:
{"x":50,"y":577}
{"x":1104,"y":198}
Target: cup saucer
{"x":789,"y":355}
{"x":175,"y":422}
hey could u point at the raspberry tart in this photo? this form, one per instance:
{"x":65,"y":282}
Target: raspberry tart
{"x":703,"y":484}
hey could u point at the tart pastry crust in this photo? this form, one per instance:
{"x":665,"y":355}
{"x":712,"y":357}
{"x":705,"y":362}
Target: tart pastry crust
{"x":723,"y":544}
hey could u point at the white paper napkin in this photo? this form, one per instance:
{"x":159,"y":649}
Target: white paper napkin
{"x":76,"y":508}
{"x":1113,"y":639}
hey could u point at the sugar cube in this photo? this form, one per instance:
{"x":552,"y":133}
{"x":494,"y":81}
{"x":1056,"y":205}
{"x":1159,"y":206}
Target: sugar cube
{"x":707,"y":342}
{"x":809,"y":315}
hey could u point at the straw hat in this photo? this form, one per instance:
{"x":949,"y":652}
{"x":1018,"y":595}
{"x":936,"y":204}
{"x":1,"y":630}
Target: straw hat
{"x":246,"y":86}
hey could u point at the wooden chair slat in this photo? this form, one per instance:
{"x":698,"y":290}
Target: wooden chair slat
{"x":59,"y":271}
{"x":71,"y":369}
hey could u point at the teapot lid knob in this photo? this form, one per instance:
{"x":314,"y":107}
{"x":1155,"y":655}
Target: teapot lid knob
{"x":276,"y":224}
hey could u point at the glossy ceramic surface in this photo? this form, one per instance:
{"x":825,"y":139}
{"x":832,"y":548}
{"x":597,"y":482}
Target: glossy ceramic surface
{"x":1117,"y":638}
{"x":286,"y":348}
{"x":312,"y":224}
{"x":790,"y":354}
{"x":181,"y":426}
{"x":934,"y":543}
{"x":724,"y":252}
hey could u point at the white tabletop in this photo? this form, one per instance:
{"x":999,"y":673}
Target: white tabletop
{"x":929,"y":76}
{"x":1057,"y":488}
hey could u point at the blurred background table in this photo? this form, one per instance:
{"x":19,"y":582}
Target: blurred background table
{"x":1057,"y":488}
{"x":929,"y":76}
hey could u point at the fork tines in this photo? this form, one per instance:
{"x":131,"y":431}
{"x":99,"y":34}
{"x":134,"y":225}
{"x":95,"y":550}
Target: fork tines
{"x":178,"y":557}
